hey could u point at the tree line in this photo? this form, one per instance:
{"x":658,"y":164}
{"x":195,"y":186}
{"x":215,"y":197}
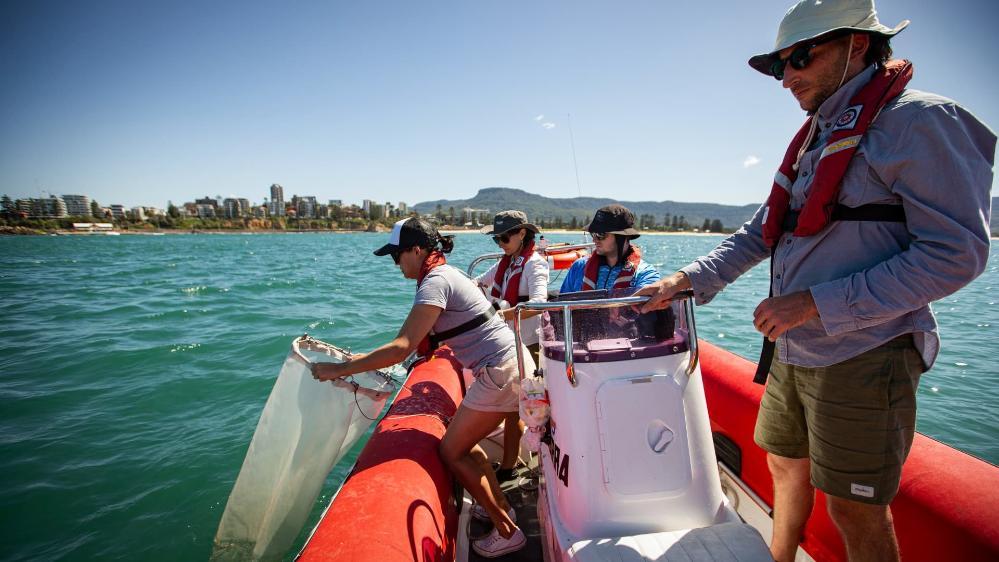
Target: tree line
{"x":667,"y":223}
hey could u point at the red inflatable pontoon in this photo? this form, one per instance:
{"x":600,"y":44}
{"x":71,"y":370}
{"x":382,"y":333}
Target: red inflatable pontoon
{"x":398,"y":503}
{"x":947,"y":507}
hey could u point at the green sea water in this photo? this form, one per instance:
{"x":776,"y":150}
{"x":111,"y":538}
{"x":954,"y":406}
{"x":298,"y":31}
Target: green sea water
{"x":133,"y":370}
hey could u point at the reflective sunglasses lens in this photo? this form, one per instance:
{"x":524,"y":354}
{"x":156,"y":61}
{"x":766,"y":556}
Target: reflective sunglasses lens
{"x":598,"y":236}
{"x":395,"y":257}
{"x":800,"y":57}
{"x":777,"y":69}
{"x":502,"y":238}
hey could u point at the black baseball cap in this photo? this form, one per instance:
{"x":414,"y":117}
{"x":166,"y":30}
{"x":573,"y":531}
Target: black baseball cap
{"x":408,"y":233}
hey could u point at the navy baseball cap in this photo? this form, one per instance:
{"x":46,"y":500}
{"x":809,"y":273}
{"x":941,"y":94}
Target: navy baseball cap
{"x":408,"y":233}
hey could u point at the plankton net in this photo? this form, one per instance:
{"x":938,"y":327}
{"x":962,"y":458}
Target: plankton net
{"x":305,"y":428}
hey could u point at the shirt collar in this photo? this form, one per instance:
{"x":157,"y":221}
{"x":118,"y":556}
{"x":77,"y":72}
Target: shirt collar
{"x":832,"y":107}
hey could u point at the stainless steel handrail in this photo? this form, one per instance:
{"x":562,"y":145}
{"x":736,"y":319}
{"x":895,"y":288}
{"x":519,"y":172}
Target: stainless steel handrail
{"x":566,"y":307}
{"x":480,"y":259}
{"x":549,"y":251}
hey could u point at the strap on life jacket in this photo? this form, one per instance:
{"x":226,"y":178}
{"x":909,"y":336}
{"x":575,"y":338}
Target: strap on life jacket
{"x":872,"y":212}
{"x":480,"y":319}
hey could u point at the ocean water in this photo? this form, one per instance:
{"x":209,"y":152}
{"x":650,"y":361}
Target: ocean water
{"x":133,"y":370}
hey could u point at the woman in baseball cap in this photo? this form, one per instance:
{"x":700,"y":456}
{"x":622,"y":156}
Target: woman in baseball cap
{"x":450,"y":308}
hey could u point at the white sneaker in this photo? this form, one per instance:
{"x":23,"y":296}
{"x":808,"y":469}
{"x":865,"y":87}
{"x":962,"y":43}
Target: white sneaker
{"x":481,"y":514}
{"x":493,"y":544}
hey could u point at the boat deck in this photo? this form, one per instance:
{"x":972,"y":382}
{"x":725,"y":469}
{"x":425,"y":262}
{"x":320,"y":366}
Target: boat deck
{"x":522,"y":493}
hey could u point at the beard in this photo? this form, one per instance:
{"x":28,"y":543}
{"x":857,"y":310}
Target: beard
{"x":815,"y":93}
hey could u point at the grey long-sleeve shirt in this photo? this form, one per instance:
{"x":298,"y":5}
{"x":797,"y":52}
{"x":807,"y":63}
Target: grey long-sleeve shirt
{"x":873,"y":281}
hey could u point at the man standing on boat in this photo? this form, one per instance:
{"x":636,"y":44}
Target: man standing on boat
{"x":880,"y":206}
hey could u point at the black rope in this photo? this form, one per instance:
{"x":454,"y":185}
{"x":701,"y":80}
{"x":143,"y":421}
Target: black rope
{"x":767,"y":353}
{"x":358,"y":404}
{"x":445,"y":419}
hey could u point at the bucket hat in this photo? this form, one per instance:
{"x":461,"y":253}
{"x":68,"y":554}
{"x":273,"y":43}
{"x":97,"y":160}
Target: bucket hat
{"x":408,"y":233}
{"x":613,"y":219}
{"x":809,"y":19}
{"x":505,"y":221}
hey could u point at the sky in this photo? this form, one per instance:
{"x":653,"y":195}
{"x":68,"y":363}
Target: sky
{"x":138,"y":102}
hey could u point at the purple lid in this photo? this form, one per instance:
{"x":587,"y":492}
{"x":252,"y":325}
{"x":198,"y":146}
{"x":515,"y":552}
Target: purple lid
{"x":639,"y":349}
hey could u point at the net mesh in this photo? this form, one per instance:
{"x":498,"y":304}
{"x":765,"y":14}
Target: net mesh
{"x":305,"y":428}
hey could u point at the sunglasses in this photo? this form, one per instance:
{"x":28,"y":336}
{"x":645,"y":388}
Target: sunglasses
{"x":598,"y":236}
{"x":799,"y":58}
{"x":395,"y":255}
{"x":502,"y":238}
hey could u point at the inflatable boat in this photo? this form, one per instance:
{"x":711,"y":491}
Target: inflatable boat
{"x":647,"y":454}
{"x":399,"y":503}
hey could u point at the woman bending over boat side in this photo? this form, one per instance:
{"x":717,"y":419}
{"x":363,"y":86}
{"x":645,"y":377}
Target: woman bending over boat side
{"x":450,"y":308}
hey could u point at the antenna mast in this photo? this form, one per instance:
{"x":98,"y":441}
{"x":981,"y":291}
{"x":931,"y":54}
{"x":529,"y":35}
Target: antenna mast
{"x":575,"y":166}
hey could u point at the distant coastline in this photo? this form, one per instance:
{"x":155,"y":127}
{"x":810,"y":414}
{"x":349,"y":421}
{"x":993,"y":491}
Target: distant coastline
{"x":183,"y":232}
{"x":23,"y":231}
{"x":580,"y":232}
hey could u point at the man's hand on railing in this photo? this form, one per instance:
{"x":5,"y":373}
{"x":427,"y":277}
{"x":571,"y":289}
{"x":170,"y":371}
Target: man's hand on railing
{"x":661,"y":292}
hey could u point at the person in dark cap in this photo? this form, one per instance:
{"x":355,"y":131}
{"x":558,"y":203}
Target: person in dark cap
{"x":880,"y":206}
{"x":450,"y":308}
{"x":521,"y":275}
{"x":615,"y":263}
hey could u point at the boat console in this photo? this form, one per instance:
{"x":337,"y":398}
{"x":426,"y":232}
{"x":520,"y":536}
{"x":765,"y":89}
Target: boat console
{"x":628,"y":465}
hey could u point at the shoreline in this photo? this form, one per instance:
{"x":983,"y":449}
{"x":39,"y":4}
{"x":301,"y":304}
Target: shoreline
{"x":23,"y":232}
{"x":580,"y":232}
{"x":292,"y":231}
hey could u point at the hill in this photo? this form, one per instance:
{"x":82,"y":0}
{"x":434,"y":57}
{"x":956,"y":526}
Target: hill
{"x":496,"y":199}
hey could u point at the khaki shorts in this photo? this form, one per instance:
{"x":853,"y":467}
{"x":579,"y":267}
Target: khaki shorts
{"x":497,"y":388}
{"x":854,"y":420}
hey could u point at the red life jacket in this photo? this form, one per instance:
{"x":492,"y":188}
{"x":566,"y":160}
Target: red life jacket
{"x":512,"y":292}
{"x":623,"y":281}
{"x":887,"y":83}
